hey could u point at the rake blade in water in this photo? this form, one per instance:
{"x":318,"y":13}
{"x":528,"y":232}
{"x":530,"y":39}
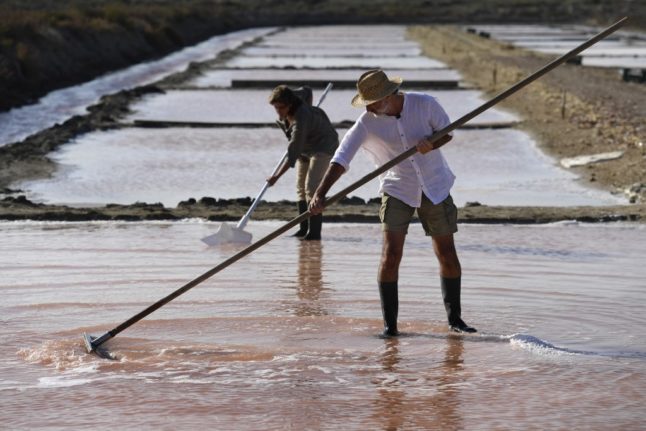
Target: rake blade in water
{"x":227,"y":234}
{"x":101,"y":352}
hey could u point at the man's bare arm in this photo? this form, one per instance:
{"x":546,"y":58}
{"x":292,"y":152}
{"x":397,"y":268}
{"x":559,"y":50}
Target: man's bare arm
{"x":333,"y":173}
{"x":425,"y":145}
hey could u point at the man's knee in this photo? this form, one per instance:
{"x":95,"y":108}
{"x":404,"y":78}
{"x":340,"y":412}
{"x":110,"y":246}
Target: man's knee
{"x":446,"y":252}
{"x":393,"y":249}
{"x":450,"y":262}
{"x":391,"y":256}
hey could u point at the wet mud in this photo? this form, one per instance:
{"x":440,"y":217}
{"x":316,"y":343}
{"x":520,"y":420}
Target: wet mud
{"x":354,"y":210}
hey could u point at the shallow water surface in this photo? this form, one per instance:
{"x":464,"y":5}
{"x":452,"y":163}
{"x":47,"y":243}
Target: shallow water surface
{"x":251,"y":106}
{"x":620,"y":50}
{"x":336,"y":62}
{"x":330,"y":51}
{"x":378,"y":34}
{"x":494,"y":167}
{"x":617,"y":62}
{"x":367,"y":43}
{"x":287,"y":337}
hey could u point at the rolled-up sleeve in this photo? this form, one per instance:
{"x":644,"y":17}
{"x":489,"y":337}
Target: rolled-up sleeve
{"x":438,"y":118}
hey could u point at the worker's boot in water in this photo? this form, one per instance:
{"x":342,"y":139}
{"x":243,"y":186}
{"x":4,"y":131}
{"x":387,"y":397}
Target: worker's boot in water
{"x":314,"y":233}
{"x":302,"y":207}
{"x":389,"y":307}
{"x":451,"y":296}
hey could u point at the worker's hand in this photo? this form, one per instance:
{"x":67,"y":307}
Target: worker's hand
{"x":425,"y":145}
{"x":317,"y":204}
{"x":272,"y":180}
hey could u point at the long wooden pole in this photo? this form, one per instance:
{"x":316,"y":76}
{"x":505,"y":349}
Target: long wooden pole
{"x":92,"y":343}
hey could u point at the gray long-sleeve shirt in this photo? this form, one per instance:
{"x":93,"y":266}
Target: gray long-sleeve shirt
{"x":311,"y":132}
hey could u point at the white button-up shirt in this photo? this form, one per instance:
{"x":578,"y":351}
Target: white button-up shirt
{"x":384,"y":137}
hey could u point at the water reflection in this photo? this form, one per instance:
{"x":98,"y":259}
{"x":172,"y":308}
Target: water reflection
{"x":309,"y":280}
{"x":389,"y":404}
{"x":447,"y":401}
{"x":442,"y":409}
{"x":328,"y":372}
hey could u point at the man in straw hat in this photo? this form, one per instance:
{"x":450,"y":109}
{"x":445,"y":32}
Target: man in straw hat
{"x":394,"y":122}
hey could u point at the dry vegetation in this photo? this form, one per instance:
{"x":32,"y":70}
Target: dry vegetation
{"x":48,"y":44}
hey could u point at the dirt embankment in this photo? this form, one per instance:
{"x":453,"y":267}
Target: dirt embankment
{"x":73,"y":43}
{"x":353,"y":210}
{"x":571,"y":111}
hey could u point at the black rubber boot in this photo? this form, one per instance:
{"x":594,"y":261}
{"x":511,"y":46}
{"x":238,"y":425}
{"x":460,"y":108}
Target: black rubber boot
{"x":302,"y":207}
{"x":451,"y":296}
{"x":389,"y":307}
{"x":314,"y":233}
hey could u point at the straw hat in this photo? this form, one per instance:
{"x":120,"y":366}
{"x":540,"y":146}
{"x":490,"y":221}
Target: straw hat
{"x":373,"y":86}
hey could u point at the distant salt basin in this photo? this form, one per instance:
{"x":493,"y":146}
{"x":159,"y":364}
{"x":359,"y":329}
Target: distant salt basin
{"x":495,"y":167}
{"x":251,"y":106}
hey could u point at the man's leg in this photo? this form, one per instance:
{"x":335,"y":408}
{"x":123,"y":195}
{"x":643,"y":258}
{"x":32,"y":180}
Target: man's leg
{"x":301,"y":173}
{"x":451,"y":278}
{"x":447,"y":256}
{"x":316,"y":170}
{"x":395,"y":216}
{"x":391,"y":255}
{"x":440,"y":221}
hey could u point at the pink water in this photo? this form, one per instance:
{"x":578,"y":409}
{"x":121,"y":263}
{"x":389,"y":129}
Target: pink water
{"x":171,"y":165}
{"x":287,"y":337}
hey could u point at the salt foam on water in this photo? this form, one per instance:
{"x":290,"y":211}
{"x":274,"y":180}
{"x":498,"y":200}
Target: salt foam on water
{"x":64,"y":355}
{"x":538,"y":346}
{"x":61,"y":382}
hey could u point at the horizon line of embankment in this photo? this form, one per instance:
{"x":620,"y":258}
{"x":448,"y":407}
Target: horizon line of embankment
{"x":350,"y":210}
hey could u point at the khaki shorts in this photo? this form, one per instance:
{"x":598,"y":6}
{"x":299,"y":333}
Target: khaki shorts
{"x":440,"y":219}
